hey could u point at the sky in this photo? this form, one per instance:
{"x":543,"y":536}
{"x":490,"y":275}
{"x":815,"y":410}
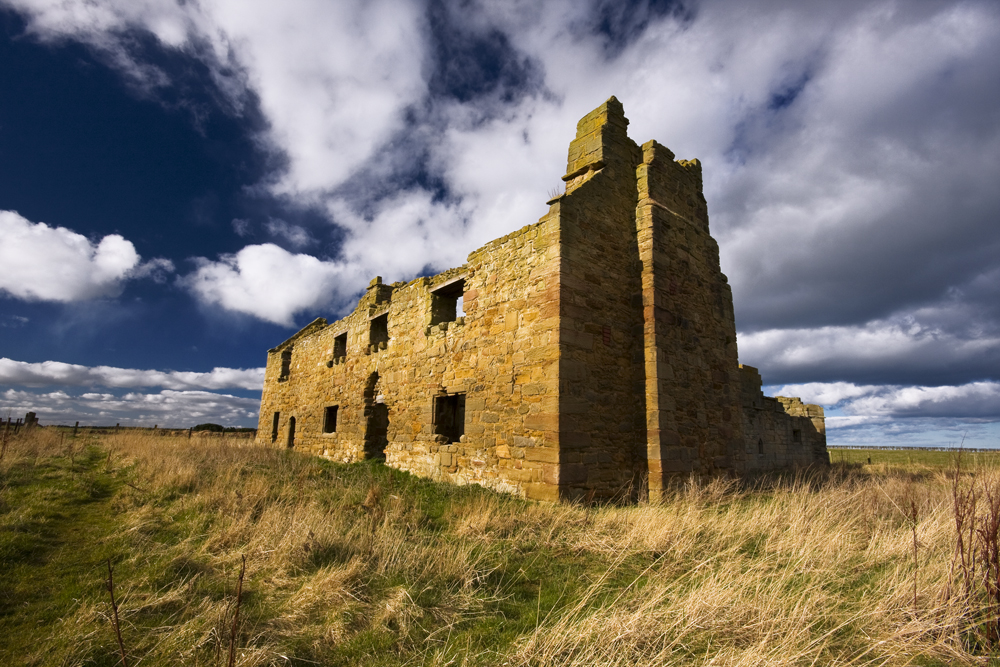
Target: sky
{"x":185,"y":183}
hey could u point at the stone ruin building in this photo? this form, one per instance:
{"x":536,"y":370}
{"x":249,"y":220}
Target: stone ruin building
{"x":589,"y":355}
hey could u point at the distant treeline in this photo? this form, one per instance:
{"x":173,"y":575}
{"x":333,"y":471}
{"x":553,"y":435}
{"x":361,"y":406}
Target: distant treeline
{"x":916,"y":449}
{"x":200,"y":429}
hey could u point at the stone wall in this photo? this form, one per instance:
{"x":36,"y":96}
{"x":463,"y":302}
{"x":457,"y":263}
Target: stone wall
{"x":501,"y":357}
{"x":780,"y":431}
{"x":692,"y":391}
{"x":601,"y":413}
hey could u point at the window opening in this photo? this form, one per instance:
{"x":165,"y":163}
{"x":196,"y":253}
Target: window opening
{"x":291,"y":432}
{"x":449,"y":416}
{"x":447,"y":302}
{"x":274,"y":426}
{"x":378,"y":336}
{"x":340,"y":346}
{"x":760,"y":446}
{"x":330,"y":419}
{"x":797,"y":436}
{"x":286,"y":364}
{"x":376,"y":420}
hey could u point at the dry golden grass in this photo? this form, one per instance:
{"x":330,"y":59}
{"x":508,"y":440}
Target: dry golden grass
{"x":364,"y":565}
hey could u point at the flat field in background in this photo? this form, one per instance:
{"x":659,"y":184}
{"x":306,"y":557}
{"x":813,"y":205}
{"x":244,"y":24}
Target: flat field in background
{"x":364,"y":565}
{"x":915,"y":459}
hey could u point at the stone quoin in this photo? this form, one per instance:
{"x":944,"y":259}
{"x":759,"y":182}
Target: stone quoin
{"x":589,"y":355}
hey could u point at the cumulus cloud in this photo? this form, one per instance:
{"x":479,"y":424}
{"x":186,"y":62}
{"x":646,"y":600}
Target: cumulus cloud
{"x":265,"y":281}
{"x":168,"y":408}
{"x":49,"y":373}
{"x":43,"y":263}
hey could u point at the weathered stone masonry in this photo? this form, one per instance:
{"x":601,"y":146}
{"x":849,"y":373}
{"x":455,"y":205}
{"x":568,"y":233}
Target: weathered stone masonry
{"x":596,"y":356}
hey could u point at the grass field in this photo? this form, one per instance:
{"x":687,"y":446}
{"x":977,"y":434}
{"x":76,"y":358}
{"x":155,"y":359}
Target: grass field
{"x":914,"y":459}
{"x":364,"y":565}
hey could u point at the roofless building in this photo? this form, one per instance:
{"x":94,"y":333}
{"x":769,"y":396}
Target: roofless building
{"x":590,"y":354}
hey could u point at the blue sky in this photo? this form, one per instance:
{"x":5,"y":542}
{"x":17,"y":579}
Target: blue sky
{"x":183,"y":184}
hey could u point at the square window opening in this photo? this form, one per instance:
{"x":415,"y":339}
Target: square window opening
{"x":449,"y":416}
{"x":330,"y":419}
{"x":340,"y":346}
{"x":447,"y":302}
{"x":797,"y":436}
{"x":378,"y":335}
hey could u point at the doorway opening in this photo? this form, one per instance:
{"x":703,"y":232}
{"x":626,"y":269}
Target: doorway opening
{"x":376,"y":420}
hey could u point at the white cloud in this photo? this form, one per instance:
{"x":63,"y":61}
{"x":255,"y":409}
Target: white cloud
{"x":168,"y":408}
{"x":38,"y":262}
{"x":48,"y":373}
{"x":43,"y":263}
{"x":403,"y":234}
{"x":827,"y":394}
{"x":266,"y":281}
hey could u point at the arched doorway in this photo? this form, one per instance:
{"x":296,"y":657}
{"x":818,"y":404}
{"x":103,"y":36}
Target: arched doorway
{"x":291,"y":432}
{"x":376,"y":420}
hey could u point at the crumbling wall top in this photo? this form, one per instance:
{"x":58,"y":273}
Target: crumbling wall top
{"x":601,"y":138}
{"x":315,"y":325}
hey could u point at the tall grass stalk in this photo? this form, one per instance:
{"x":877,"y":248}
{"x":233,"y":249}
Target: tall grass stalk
{"x":236,"y":612}
{"x":114,"y":609}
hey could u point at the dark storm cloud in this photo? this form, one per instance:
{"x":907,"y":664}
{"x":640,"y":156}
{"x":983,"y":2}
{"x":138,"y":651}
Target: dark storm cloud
{"x":878,"y":352}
